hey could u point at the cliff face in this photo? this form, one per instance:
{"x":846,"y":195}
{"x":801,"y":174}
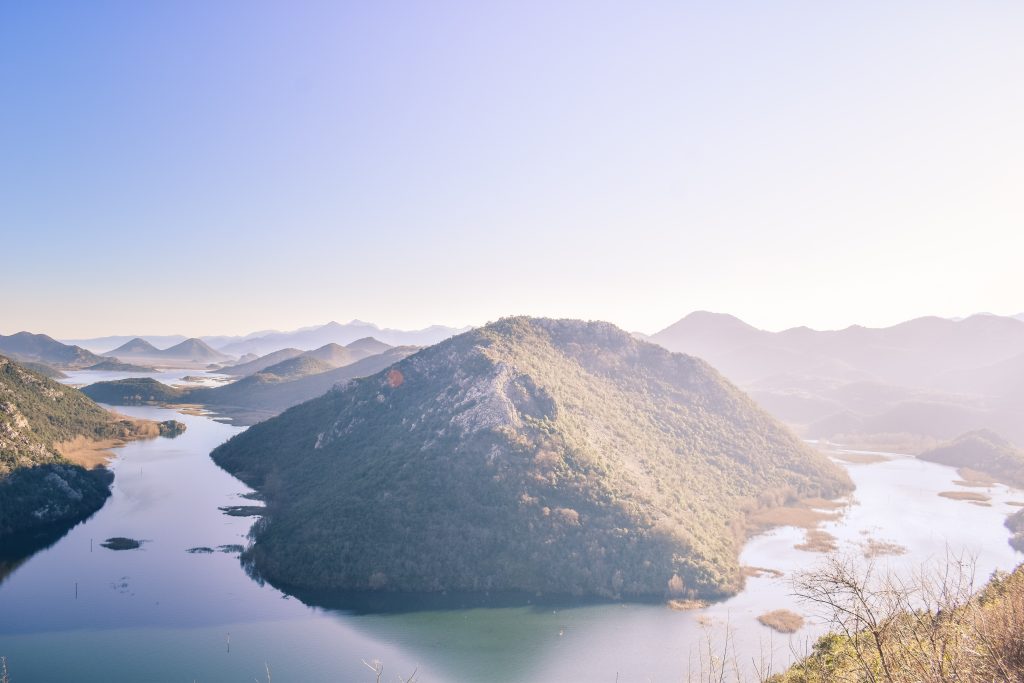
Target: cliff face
{"x":549,"y":456}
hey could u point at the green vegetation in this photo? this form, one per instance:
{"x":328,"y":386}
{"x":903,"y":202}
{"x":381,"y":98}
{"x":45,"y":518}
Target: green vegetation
{"x":984,"y":451}
{"x":555,"y":457}
{"x":38,"y":485}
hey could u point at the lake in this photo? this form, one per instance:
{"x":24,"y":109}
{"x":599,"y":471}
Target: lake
{"x":78,"y":611}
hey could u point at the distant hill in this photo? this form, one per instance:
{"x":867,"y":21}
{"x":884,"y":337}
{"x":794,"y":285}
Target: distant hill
{"x":191,"y":351}
{"x":39,"y":348}
{"x":368,"y":346}
{"x":530,"y":455}
{"x":114,"y":365}
{"x":251,"y":398}
{"x":134,"y":391}
{"x":134,"y":348}
{"x":104,"y":344}
{"x":263,"y":394}
{"x":259,"y":363}
{"x":41,"y":422}
{"x":333,"y":355}
{"x":929,"y":378}
{"x":300,"y":366}
{"x":195,"y":350}
{"x":985,"y":451}
{"x":338,"y":333}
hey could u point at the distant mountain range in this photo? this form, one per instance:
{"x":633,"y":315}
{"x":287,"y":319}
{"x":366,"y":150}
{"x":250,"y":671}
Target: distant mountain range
{"x":266,"y":341}
{"x":338,"y":333}
{"x":916,"y":382}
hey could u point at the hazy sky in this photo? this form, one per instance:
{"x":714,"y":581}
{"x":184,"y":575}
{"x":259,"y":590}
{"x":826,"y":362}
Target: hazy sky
{"x":218,"y":167}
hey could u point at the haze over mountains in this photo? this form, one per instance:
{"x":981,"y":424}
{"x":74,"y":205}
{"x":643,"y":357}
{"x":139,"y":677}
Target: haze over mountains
{"x":922,"y":380}
{"x":261,"y":393}
{"x":267,"y":341}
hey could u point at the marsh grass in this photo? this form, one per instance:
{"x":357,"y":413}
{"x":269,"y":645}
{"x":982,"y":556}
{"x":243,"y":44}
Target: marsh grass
{"x":782,"y":620}
{"x":970,"y":496}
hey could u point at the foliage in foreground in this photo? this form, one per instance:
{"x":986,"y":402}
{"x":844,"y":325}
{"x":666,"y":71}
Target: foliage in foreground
{"x":930,"y":629}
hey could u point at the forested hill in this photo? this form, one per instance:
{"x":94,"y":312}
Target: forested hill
{"x":38,"y":485}
{"x":552,"y":456}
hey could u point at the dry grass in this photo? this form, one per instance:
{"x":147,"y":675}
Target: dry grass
{"x":875,"y":548}
{"x":782,"y":620}
{"x":804,"y":517}
{"x":966,"y":495}
{"x":969,"y":477}
{"x":687,"y":605}
{"x":818,"y":541}
{"x":88,"y":453}
{"x":757,"y":572}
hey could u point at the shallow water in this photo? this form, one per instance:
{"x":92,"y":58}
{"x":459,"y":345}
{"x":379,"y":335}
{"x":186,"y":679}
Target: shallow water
{"x":162,"y":614}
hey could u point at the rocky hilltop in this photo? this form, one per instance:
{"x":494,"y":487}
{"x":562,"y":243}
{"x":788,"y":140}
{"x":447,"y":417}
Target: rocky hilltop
{"x":535,"y":455}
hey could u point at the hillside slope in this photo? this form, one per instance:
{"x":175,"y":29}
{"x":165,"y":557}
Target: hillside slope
{"x":535,"y":455}
{"x":39,"y":486}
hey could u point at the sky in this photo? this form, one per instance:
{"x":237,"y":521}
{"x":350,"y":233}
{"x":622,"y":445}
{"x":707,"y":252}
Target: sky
{"x":219,"y":168}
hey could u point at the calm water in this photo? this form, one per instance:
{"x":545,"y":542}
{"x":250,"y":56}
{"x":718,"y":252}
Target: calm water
{"x":162,"y":614}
